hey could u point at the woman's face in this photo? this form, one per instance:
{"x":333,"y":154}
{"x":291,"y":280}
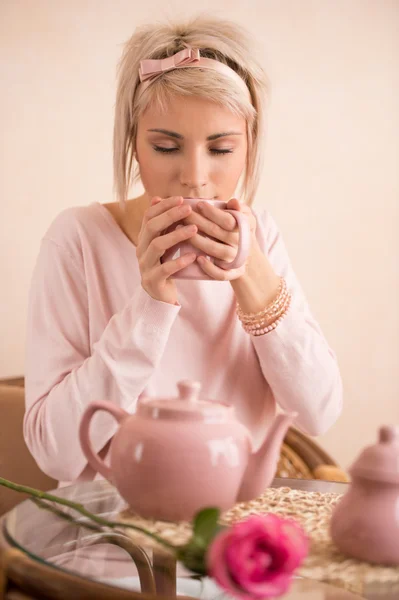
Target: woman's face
{"x":194,"y":149}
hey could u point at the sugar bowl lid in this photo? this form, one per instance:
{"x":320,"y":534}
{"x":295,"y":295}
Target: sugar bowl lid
{"x":188,"y":405}
{"x":380,"y":462}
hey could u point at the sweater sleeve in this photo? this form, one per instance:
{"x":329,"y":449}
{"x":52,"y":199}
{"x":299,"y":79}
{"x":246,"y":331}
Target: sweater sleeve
{"x":295,"y":358}
{"x":63,"y":374}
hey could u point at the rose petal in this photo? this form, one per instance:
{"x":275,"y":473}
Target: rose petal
{"x":271,"y":589}
{"x":256,"y":557}
{"x":217,"y":565}
{"x":246,"y":564}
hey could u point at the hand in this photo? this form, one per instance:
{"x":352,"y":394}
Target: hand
{"x":222,"y":244}
{"x":155,"y":276}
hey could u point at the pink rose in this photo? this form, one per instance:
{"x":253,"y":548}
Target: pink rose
{"x":256,"y":558}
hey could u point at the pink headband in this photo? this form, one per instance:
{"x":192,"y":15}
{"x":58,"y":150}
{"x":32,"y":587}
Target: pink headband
{"x":151,"y":69}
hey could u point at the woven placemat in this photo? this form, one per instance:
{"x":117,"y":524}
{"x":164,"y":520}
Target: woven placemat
{"x":313,"y":511}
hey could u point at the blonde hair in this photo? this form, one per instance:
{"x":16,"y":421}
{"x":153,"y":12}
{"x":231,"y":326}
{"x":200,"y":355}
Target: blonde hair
{"x":215,"y":38}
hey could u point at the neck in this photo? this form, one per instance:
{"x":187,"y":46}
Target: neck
{"x":131,"y":217}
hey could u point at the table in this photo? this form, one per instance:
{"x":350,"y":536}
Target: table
{"x":111,"y":559}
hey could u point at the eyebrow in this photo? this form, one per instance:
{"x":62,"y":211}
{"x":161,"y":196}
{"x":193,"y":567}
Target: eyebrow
{"x":210,"y":138}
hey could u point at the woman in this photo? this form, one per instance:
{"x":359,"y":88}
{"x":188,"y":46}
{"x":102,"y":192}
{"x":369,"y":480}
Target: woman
{"x":107,"y":319}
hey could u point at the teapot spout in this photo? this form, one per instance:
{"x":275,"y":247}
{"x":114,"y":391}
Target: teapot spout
{"x":262,"y":464}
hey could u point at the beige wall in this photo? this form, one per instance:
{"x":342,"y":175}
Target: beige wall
{"x":331,"y":177}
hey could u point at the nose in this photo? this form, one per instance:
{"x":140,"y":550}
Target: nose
{"x":194,"y":173}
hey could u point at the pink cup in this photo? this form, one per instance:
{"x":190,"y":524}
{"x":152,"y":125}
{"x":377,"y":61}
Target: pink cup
{"x":194,"y":271}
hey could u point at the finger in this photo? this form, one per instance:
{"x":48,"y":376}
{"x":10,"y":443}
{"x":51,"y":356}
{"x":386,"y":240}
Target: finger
{"x":221,"y":217}
{"x":155,"y":226}
{"x":170,"y":267}
{"x":216,"y":272}
{"x":160,"y":244}
{"x":159,"y":206}
{"x":212,"y":229}
{"x":214,"y":248}
{"x":234,"y":204}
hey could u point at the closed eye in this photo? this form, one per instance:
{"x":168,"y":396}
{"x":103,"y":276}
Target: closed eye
{"x":212,"y":150}
{"x":221,"y":151}
{"x":165,"y":150}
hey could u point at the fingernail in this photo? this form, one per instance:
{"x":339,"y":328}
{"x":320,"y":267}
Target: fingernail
{"x":200,"y":205}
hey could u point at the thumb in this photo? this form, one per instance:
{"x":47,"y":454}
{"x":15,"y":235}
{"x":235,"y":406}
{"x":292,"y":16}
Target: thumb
{"x":234,"y":204}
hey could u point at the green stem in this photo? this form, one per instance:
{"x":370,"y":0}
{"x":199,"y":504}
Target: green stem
{"x":63,"y":515}
{"x":83,"y":511}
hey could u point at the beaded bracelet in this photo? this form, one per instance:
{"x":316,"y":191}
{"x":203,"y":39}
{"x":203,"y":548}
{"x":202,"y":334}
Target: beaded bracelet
{"x":270,"y":310}
{"x":269,"y":318}
{"x":266,"y":329}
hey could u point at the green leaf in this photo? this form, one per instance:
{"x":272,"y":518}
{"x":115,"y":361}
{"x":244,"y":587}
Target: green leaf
{"x":192,"y":557}
{"x":205,"y":526}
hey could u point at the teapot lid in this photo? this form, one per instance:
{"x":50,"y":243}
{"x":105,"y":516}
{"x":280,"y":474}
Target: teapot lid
{"x":380,"y":462}
{"x":188,"y":406}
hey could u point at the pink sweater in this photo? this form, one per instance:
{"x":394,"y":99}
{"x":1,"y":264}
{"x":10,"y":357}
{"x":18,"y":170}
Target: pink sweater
{"x":93,"y":334}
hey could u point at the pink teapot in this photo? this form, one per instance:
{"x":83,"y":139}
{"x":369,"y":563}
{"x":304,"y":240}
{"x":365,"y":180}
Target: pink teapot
{"x":174,"y":456}
{"x":365,"y":523}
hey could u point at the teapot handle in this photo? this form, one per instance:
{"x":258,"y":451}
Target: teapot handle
{"x":84,"y":434}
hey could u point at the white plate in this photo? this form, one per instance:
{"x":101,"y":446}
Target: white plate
{"x":207,"y":589}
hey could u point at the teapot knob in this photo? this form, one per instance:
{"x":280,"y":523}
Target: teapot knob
{"x":189,"y":390}
{"x":389,"y":434}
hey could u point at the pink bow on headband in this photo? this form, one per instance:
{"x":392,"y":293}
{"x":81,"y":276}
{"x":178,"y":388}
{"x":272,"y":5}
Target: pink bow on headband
{"x":150,"y":68}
